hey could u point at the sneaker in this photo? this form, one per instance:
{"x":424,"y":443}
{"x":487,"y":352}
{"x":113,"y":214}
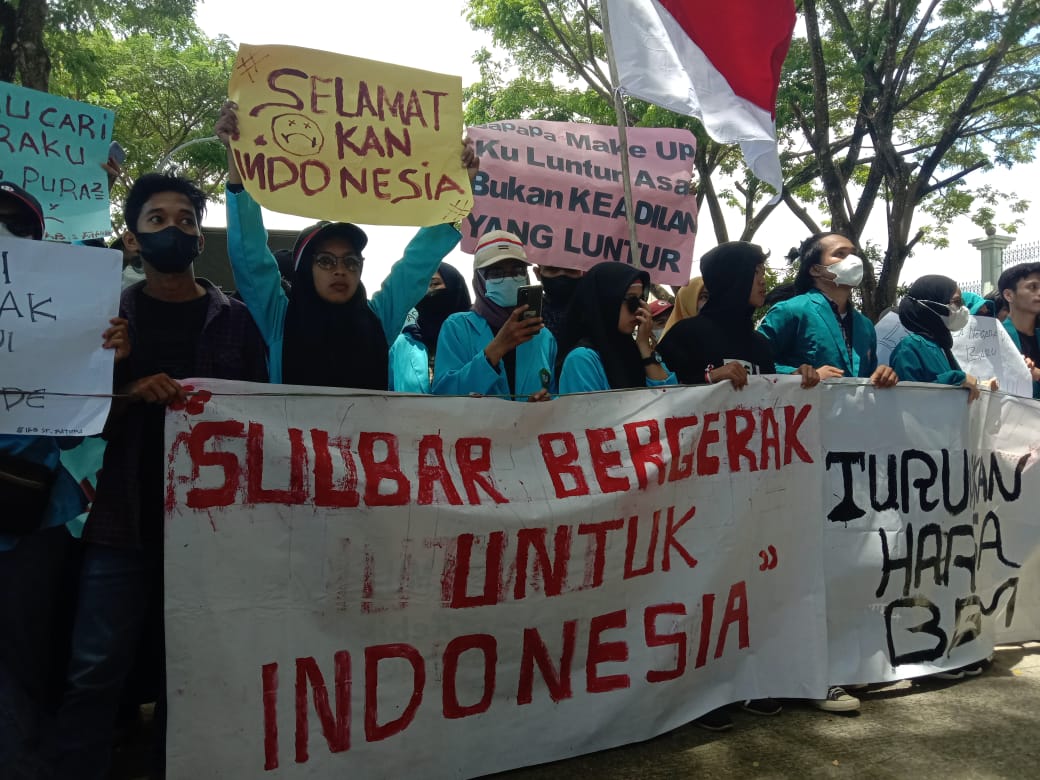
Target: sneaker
{"x":837,"y":701}
{"x":716,"y":720}
{"x":762,"y":706}
{"x":952,"y":674}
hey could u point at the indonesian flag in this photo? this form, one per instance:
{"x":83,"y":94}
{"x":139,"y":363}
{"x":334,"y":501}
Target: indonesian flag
{"x":717,"y":60}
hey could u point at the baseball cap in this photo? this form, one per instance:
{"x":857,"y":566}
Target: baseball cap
{"x":31,"y":207}
{"x":320,"y":231}
{"x":498,"y":245}
{"x":657,"y":308}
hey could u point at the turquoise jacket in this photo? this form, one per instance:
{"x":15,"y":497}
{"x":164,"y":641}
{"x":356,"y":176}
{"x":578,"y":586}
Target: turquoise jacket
{"x":917,"y":359}
{"x":804,"y":329}
{"x":462,"y":369}
{"x":1009,"y":326}
{"x":409,"y":365}
{"x":260,"y":283}
{"x":583,"y":372}
{"x":66,"y":499}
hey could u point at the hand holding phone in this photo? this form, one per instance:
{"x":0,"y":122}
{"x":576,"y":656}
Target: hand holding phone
{"x":532,"y":296}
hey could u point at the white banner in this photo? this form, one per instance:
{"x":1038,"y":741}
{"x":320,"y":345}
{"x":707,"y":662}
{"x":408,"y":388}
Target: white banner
{"x":983,"y":348}
{"x":366,"y":584}
{"x":55,"y":304}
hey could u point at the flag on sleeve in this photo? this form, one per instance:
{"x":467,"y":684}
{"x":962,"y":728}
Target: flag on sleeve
{"x":716,"y":60}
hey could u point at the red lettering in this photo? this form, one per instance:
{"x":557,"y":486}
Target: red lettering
{"x":603,"y":460}
{"x":671,"y":542}
{"x":269,"y":686}
{"x":738,"y":438}
{"x":707,"y":616}
{"x":208,"y":498}
{"x":475,"y":469}
{"x":605,"y":652}
{"x":792,"y":422}
{"x":564,"y":464}
{"x":458,"y":568}
{"x":654,"y":639}
{"x":770,"y":439}
{"x":327,"y":492}
{"x":595,"y":557}
{"x":486,"y":644}
{"x":292,"y":173}
{"x":682,"y":463}
{"x":736,"y":612}
{"x":434,"y":473}
{"x":553,"y":574}
{"x":708,"y":464}
{"x":630,"y":547}
{"x":378,"y":471}
{"x":643,"y":455}
{"x":324,"y":174}
{"x":256,"y":493}
{"x":374,"y":732}
{"x":336,"y":730}
{"x":534,"y":651}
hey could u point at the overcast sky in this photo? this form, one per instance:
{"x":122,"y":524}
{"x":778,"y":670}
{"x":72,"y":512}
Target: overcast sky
{"x":433,"y":35}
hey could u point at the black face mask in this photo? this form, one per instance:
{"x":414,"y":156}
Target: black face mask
{"x":559,"y":289}
{"x":170,"y":251}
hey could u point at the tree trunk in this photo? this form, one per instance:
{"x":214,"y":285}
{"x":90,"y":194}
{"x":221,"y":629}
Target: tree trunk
{"x":31,"y":59}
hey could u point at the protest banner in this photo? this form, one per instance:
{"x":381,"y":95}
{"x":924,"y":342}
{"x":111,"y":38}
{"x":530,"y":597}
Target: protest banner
{"x":54,"y":148}
{"x":55,"y":302}
{"x":598,"y":570}
{"x":559,"y":187}
{"x":342,"y":138}
{"x":366,"y":583}
{"x":983,"y":348}
{"x":932,"y":541}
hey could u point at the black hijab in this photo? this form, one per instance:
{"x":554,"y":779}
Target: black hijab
{"x":435,"y":308}
{"x":592,"y":321}
{"x":728,"y":272}
{"x":331,"y":344}
{"x":920,"y":311}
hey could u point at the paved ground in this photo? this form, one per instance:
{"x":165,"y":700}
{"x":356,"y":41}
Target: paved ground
{"x":986,"y":727}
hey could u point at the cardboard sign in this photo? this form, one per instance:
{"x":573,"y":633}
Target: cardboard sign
{"x":54,"y":148}
{"x":55,"y":302}
{"x":342,"y":138}
{"x":559,"y":187}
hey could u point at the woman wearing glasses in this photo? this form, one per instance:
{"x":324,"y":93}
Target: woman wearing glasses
{"x":600,"y":353}
{"x":326,"y":331}
{"x":494,"y":349}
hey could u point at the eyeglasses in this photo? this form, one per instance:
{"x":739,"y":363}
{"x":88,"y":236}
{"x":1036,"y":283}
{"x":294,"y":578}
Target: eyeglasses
{"x":634,"y":302}
{"x":520,"y":269}
{"x":328,"y":262}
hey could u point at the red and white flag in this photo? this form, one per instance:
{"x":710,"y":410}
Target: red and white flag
{"x":717,"y":60}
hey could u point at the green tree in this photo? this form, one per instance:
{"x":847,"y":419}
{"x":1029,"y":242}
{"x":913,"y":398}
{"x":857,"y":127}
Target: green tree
{"x":165,"y":94}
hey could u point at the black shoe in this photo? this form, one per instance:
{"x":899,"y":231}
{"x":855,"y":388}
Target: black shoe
{"x":762,"y":706}
{"x":716,"y":720}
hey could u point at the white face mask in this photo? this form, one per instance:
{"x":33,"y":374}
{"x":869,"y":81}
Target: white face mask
{"x":658,"y":332}
{"x":503,"y":291}
{"x":847,"y":272}
{"x":957,"y":319}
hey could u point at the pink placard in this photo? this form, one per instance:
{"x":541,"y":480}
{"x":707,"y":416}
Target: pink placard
{"x":558,"y":185}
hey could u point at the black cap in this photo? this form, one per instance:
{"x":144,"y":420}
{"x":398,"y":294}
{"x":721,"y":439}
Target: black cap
{"x":354,"y":235}
{"x":32,"y":206}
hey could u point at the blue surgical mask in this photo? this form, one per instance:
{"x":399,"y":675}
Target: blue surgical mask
{"x":503,"y":291}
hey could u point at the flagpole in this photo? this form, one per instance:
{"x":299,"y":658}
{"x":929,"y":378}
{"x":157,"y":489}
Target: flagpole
{"x":622,"y":123}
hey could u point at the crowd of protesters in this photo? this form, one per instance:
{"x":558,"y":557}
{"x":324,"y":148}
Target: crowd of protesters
{"x":308,"y":319}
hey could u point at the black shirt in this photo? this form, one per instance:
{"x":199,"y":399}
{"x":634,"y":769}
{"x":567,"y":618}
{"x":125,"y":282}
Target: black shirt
{"x":693,"y":345}
{"x":167,"y":335}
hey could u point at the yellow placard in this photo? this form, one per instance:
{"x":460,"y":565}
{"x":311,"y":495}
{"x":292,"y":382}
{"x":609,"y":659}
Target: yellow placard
{"x":342,"y":138}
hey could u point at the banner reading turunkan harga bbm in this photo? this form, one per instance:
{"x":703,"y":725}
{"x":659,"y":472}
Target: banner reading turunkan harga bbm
{"x":560,"y":188}
{"x":363,"y":585}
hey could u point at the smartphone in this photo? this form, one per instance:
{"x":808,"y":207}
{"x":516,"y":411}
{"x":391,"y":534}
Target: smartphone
{"x":532,"y":296}
{"x":117,"y":153}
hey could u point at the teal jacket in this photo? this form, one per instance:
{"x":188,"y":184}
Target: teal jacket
{"x":1009,"y":326}
{"x":462,"y":369}
{"x":804,"y":329}
{"x":409,"y":365}
{"x":583,"y":372}
{"x":260,"y":283}
{"x":917,"y":359}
